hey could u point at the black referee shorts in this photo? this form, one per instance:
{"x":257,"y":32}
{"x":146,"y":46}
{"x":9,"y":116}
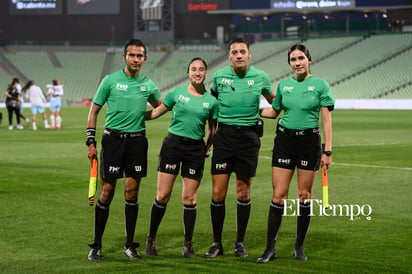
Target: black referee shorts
{"x":293,"y":150}
{"x":179,"y":151}
{"x":235,"y":149}
{"x":123,"y":155}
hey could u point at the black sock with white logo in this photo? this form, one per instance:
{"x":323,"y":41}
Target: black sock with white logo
{"x":156,"y":216}
{"x":218,"y":213}
{"x":189,"y":220}
{"x":242,"y":216}
{"x":274,"y":222}
{"x":302,"y":223}
{"x":131,"y":210}
{"x":100,"y":219}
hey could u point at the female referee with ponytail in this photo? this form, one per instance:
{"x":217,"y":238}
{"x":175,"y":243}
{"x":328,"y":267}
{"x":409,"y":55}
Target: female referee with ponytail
{"x":297,"y":145}
{"x":184,"y":147}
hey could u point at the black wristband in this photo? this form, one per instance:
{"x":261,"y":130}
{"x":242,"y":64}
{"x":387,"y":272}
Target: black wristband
{"x":90,"y":133}
{"x":327,"y":153}
{"x":91,"y":141}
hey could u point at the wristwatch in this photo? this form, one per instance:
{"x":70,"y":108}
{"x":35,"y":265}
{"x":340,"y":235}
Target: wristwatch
{"x":327,"y":153}
{"x":90,"y":141}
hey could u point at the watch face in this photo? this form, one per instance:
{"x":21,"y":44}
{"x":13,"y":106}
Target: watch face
{"x":328,"y":153}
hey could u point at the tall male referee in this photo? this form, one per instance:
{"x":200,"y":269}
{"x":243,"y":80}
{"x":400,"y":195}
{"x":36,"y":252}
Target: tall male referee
{"x":124,"y":143}
{"x":238,"y":88}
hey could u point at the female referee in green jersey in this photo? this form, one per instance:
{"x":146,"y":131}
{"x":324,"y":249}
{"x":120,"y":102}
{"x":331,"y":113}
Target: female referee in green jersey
{"x":297,"y":145}
{"x":184,"y":147}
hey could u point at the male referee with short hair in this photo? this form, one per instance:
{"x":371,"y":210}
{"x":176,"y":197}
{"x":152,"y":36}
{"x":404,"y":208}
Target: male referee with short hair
{"x":238,"y":88}
{"x":124,"y":143}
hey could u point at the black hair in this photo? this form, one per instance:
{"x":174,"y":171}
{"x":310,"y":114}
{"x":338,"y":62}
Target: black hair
{"x":27,"y":85}
{"x":134,"y":42}
{"x":13,"y":83}
{"x":195,"y":59}
{"x":300,"y":47}
{"x":238,"y":40}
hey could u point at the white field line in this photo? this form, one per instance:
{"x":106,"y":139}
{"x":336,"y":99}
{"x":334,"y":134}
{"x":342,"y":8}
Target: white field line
{"x":356,"y":165}
{"x":368,"y":145}
{"x":372,"y":166}
{"x":355,"y":145}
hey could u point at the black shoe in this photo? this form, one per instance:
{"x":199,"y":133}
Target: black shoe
{"x":187,"y":250}
{"x":131,"y":253}
{"x":268,"y":255}
{"x":240,"y":250}
{"x":299,"y":254}
{"x":215,"y":250}
{"x":151,"y":247}
{"x":94,"y":254}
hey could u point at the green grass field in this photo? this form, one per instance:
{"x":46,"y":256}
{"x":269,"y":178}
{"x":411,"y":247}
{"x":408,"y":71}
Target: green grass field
{"x":46,"y":222}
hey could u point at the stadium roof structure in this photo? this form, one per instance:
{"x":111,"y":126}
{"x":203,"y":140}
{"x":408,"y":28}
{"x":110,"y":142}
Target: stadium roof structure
{"x":325,"y":10}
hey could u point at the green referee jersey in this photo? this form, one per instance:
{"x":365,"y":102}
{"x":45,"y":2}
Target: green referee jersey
{"x":239,"y":97}
{"x":301,"y":101}
{"x":126,"y":99}
{"x":190,"y":113}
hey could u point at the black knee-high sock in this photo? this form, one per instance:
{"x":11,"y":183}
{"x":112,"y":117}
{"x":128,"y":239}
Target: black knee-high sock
{"x":131,"y":210}
{"x":218,"y":213}
{"x":274,"y":222}
{"x":156,"y":215}
{"x":100,"y":219}
{"x":242,"y":216}
{"x":302,"y":223}
{"x":189,"y":220}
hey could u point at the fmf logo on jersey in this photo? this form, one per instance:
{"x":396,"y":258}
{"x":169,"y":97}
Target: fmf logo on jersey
{"x":227,"y":81}
{"x":287,"y":89}
{"x":122,"y":87}
{"x":143,"y":88}
{"x":183,"y":99}
{"x":205,"y":105}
